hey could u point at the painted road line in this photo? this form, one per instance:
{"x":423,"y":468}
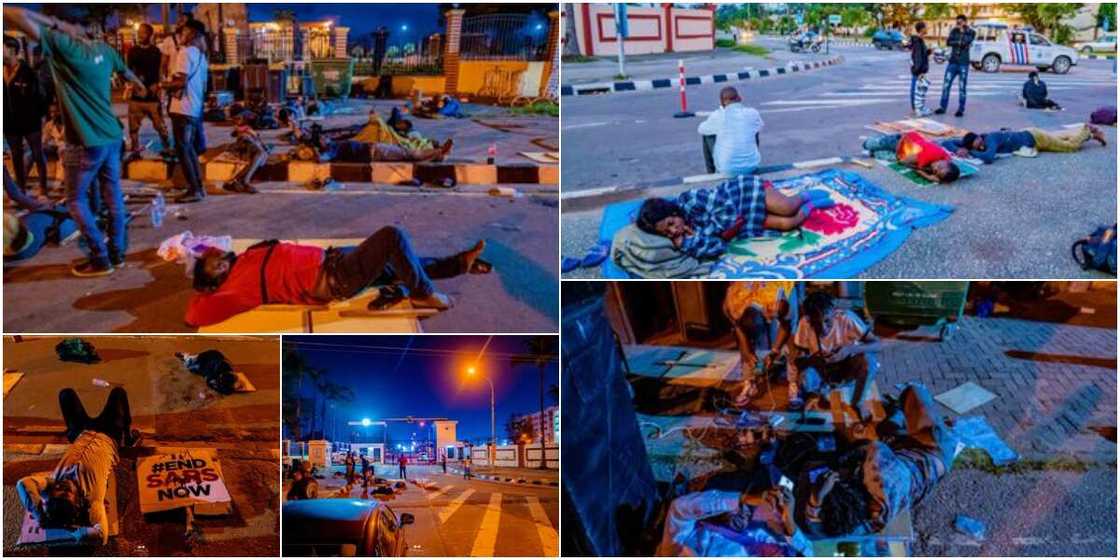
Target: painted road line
{"x":439,"y":492}
{"x":451,"y":508}
{"x":586,"y":125}
{"x":589,"y":192}
{"x":487,"y":536}
{"x":549,"y":539}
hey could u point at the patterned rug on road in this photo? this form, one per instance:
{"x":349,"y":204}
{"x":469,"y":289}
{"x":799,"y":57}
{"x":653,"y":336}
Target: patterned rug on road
{"x":865,"y":226}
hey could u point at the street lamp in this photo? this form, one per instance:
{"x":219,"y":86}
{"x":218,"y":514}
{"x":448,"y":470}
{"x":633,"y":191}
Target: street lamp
{"x":471,"y":372}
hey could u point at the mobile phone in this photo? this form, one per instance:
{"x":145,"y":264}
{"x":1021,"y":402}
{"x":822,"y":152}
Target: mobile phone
{"x":785,"y":483}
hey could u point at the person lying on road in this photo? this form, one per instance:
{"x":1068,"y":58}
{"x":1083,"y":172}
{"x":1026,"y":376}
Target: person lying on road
{"x":916,"y":152}
{"x":701,"y":222}
{"x":986,"y":146}
{"x":725,"y":523}
{"x":228,"y":284}
{"x":70,"y":502}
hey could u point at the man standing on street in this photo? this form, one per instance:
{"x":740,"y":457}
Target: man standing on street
{"x":24,"y":107}
{"x":960,"y":40}
{"x":144,"y":61}
{"x":403,"y":462}
{"x":188,"y":88}
{"x":919,"y":67}
{"x":82,"y":65}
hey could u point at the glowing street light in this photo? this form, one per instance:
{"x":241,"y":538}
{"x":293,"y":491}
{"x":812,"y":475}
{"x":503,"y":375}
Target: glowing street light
{"x":366,"y":422}
{"x":472,"y":371}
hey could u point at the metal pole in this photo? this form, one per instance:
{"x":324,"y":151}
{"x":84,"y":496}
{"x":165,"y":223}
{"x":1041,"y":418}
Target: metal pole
{"x":493,"y":435}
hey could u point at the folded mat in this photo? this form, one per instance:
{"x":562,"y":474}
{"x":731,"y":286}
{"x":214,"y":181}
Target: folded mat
{"x":865,"y":226}
{"x":647,"y":255}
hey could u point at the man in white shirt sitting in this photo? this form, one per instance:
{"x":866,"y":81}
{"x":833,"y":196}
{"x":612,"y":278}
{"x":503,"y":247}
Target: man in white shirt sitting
{"x":736,"y":130}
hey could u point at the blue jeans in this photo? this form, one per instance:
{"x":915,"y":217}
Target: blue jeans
{"x":952,"y":71}
{"x":101,"y":166}
{"x":913,"y":85}
{"x":190,"y":142}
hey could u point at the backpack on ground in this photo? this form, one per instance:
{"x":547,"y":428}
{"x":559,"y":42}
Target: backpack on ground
{"x":77,"y":350}
{"x":1097,"y":251}
{"x":213,"y":366}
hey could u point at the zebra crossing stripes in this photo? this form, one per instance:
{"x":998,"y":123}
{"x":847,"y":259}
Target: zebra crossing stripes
{"x":447,"y":511}
{"x":550,"y":546}
{"x":486,"y":538}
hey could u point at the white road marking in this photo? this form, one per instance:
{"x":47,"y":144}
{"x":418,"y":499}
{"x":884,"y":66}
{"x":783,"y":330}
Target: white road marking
{"x":549,"y":539}
{"x":586,"y":125}
{"x":437,"y":493}
{"x":487,"y":536}
{"x":454,"y":506}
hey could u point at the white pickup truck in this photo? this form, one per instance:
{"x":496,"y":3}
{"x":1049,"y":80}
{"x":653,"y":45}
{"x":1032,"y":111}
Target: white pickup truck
{"x":996,"y":44}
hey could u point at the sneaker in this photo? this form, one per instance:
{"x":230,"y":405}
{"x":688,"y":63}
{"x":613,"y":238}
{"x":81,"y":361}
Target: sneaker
{"x":958,"y":114}
{"x":92,"y":268}
{"x":939,"y":111}
{"x":116,"y":258}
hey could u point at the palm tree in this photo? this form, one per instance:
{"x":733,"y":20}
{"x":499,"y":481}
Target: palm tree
{"x":571,"y":39}
{"x":540,"y":351}
{"x":294,"y":372}
{"x":333,"y":394}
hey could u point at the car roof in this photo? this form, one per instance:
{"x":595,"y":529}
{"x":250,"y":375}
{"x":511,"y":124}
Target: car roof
{"x":327,"y":520}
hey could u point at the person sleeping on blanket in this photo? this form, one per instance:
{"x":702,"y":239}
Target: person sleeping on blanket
{"x":69,"y":503}
{"x":701,"y":222}
{"x":913,"y":150}
{"x":871,"y":484}
{"x":228,"y":284}
{"x":985,"y":147}
{"x":725,"y":523}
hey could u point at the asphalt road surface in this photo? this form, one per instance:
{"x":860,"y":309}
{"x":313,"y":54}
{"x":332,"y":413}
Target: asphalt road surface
{"x":171,"y":407}
{"x":457,"y":517}
{"x":151,"y":295}
{"x":1015,"y":219}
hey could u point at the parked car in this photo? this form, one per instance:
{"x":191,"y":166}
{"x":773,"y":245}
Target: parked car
{"x":997,"y":44}
{"x":885,"y":39}
{"x":343,"y":527}
{"x":1104,"y":44}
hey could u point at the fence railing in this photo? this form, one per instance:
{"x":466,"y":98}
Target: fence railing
{"x":504,"y":37}
{"x":421,"y":57}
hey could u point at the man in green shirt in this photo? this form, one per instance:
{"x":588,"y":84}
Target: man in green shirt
{"x":82,"y":67}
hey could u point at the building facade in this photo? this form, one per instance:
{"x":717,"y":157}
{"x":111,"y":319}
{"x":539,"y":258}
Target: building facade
{"x":551,"y":420}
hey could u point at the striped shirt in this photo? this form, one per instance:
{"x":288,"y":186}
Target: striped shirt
{"x":711,"y":211}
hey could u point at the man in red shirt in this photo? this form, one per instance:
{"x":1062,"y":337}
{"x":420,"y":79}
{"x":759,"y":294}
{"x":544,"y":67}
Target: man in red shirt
{"x":913,"y":150}
{"x":275,"y":272}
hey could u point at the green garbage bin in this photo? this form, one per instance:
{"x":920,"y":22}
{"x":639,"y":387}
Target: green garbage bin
{"x":333,"y":76}
{"x":917,"y":304}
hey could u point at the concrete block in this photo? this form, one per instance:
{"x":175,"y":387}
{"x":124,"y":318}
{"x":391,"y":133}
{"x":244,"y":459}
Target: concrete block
{"x":391,"y":173}
{"x":148,"y":170}
{"x":304,"y":171}
{"x":476,"y":174}
{"x":220,"y":170}
{"x":549,"y":174}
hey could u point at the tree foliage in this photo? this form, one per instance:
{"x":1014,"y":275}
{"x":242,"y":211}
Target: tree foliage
{"x":1046,"y":18}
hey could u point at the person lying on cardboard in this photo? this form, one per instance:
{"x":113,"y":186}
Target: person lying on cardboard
{"x":70,"y":502}
{"x":228,"y":284}
{"x":865,"y":488}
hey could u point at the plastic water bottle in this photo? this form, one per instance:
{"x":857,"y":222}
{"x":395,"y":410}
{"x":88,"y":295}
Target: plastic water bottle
{"x":100,"y":383}
{"x":158,"y":209}
{"x":491,"y":153}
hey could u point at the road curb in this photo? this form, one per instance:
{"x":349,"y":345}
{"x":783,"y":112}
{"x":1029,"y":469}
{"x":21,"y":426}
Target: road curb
{"x":666,"y":83}
{"x":157,"y":170}
{"x":592,"y":198}
{"x":510,"y":479}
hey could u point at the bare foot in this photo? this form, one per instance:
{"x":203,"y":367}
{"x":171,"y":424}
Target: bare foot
{"x":1098,"y":135}
{"x":446,"y":147}
{"x":435,"y":300}
{"x":470,"y":255}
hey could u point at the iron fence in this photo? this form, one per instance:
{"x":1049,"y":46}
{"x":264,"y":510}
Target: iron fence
{"x":504,"y":37}
{"x":420,"y":57}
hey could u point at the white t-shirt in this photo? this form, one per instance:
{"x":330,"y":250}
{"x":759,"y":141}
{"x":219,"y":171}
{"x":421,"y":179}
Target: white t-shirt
{"x":846,"y":329}
{"x":192,"y":63}
{"x":736,"y":151}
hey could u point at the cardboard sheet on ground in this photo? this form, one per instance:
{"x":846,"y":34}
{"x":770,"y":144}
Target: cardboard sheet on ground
{"x":967,"y":170}
{"x":964,"y":398}
{"x":976,"y":433}
{"x":180,"y":477}
{"x":683,"y":366}
{"x":926,"y":126}
{"x":865,"y":226}
{"x":342,"y":316}
{"x":543,"y":157}
{"x":31,"y":533}
{"x":10,"y":380}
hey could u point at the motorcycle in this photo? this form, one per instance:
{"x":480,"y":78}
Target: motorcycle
{"x":805,"y":44}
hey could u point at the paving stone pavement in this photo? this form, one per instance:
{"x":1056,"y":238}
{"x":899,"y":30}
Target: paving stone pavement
{"x":1043,"y":409}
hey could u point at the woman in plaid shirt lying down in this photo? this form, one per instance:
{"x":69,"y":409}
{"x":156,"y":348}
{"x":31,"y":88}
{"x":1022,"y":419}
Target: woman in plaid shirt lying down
{"x":701,"y":222}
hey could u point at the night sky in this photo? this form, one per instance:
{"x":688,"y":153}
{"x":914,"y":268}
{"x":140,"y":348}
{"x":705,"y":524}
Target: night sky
{"x":424,"y":384}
